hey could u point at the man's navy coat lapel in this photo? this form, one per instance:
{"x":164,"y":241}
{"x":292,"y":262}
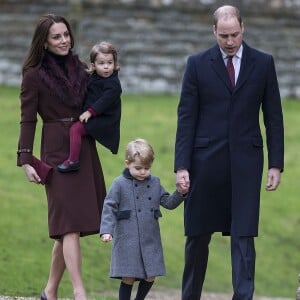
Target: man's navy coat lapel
{"x":219,"y":67}
{"x":247,"y":65}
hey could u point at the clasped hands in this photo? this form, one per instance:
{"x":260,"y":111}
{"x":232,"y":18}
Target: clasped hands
{"x":182,"y":181}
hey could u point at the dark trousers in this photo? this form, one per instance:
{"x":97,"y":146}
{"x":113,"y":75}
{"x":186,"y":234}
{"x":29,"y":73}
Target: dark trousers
{"x":242,"y":261}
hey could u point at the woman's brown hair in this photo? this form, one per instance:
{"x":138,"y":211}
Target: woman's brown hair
{"x":36,"y":50}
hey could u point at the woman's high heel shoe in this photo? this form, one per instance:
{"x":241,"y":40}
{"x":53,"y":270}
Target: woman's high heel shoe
{"x":43,"y":296}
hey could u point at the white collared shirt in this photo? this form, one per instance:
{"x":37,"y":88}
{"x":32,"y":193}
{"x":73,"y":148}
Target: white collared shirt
{"x":236,"y":60}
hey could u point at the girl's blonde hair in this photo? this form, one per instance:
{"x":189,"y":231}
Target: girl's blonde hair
{"x":105,"y":48}
{"x":139,"y":148}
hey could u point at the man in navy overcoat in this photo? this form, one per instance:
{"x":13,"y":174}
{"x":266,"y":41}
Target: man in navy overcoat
{"x":219,"y":150}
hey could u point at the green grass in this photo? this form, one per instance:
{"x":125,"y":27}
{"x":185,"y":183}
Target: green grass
{"x":25,"y":246}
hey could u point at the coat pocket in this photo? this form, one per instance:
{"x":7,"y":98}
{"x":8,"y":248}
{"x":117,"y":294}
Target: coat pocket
{"x":257,"y":141}
{"x":201,"y":142}
{"x":157,"y":214}
{"x":53,"y":137}
{"x":123,"y":215}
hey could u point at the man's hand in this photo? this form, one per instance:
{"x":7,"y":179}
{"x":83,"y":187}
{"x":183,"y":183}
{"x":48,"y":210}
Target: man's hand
{"x":273,"y":179}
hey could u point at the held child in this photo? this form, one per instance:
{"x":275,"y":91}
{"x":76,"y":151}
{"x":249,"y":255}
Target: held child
{"x":130,"y":218}
{"x":102,"y":115}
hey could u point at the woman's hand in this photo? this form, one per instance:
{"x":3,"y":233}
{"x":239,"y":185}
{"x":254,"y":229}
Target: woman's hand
{"x":31,"y":173}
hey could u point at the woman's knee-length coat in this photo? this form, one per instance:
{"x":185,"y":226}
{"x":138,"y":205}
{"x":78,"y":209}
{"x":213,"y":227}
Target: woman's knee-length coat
{"x":74,"y":200}
{"x":130,"y":214}
{"x":219,"y":140}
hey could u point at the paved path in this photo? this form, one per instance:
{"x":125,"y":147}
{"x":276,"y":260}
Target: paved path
{"x":165,"y":295}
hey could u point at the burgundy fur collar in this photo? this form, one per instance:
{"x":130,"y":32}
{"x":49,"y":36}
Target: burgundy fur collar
{"x":69,"y":88}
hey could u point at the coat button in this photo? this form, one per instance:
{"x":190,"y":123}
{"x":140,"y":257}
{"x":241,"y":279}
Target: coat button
{"x":148,"y":186}
{"x":136,"y":185}
{"x":137,"y":197}
{"x":139,"y":210}
{"x":149,"y":198}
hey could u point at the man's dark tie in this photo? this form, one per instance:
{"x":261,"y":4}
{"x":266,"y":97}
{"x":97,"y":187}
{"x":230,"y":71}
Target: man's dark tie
{"x":230,"y":69}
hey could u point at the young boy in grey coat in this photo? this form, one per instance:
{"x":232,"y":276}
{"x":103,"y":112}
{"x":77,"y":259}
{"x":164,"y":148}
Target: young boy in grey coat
{"x":130,"y":218}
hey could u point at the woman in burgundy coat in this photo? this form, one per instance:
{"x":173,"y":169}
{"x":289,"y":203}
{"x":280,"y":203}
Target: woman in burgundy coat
{"x":54,"y":86}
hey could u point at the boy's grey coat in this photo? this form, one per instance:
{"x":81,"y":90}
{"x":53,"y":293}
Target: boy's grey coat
{"x":130,"y":214}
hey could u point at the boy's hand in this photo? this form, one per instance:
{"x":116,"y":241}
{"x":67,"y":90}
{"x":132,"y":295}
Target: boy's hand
{"x":182,"y":191}
{"x":106,"y":237}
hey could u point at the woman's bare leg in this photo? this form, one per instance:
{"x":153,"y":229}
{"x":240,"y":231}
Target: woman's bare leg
{"x":72,"y":256}
{"x":57,"y":269}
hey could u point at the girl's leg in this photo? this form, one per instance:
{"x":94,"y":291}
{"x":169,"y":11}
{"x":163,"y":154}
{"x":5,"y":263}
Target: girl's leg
{"x":77,"y":131}
{"x":144,"y":288}
{"x":57,"y":269}
{"x":72,"y":256}
{"x":126,"y":288}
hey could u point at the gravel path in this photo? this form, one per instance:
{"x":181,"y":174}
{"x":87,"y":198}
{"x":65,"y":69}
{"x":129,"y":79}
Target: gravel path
{"x":175,"y":295}
{"x":165,"y":295}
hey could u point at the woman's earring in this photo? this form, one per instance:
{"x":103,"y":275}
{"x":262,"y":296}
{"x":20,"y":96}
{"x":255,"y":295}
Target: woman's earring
{"x":45,"y":47}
